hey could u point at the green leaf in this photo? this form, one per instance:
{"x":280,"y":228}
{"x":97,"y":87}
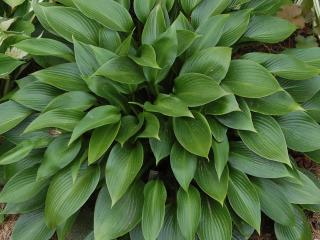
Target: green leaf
{"x":207,"y":178}
{"x":109,"y":39}
{"x":17,"y":153}
{"x":185,"y":39}
{"x":313,"y":107}
{"x":66,"y":197}
{"x":246,"y":78}
{"x":300,"y":230}
{"x":22,"y":186}
{"x":64,"y":76}
{"x":161,"y":148}
{"x":216,"y":223}
{"x":152,"y":126}
{"x":269,"y":29}
{"x":130,"y":125}
{"x":297,"y":126}
{"x":210,"y":31}
{"x":314,"y":156}
{"x":46,"y":47}
{"x":235,"y":27}
{"x":8,"y":64}
{"x":75,"y":100}
{"x":68,"y":22}
{"x":168,"y":105}
{"x":188,"y":211}
{"x":307,"y":55}
{"x":123,"y":70}
{"x":122,"y":167}
{"x":221,"y":154}
{"x":302,"y":191}
{"x":126,"y":45}
{"x":97,"y":117}
{"x":279,"y":103}
{"x":170,"y":229}
{"x":241,"y":120}
{"x":189,"y":5}
{"x":89,"y":58}
{"x":143,"y":8}
{"x":268,"y":141}
{"x":244,"y":199}
{"x":194,"y":134}
{"x":213,"y":62}
{"x":218,"y":131}
{"x":32,"y":226}
{"x":35,"y":95}
{"x":244,"y":160}
{"x":11,"y":115}
{"x":14,"y":3}
{"x":147,"y":57}
{"x":284,"y":66}
{"x":183,"y":165}
{"x":274,"y":203}
{"x":109,"y":222}
{"x":109,"y":13}
{"x":100,"y":141}
{"x":57,"y":155}
{"x":155,"y":24}
{"x":57,"y":118}
{"x":196,"y":89}
{"x":223,"y":105}
{"x":153,"y":211}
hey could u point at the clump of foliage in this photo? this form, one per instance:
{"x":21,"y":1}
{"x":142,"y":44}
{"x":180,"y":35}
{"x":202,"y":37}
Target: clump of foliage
{"x":150,"y":105}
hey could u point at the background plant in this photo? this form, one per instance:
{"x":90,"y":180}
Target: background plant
{"x":149,"y":104}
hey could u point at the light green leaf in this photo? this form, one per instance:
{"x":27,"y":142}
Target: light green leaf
{"x":284,"y":66}
{"x":307,"y":55}
{"x":223,"y":105}
{"x":268,"y":141}
{"x":168,"y":105}
{"x":269,"y":29}
{"x":130,"y":125}
{"x":188,"y":211}
{"x":68,"y":22}
{"x":46,"y":47}
{"x":14,"y":3}
{"x":161,"y":148}
{"x":8,"y":64}
{"x":17,"y":153}
{"x":207,"y":178}
{"x":197,"y":89}
{"x":194,"y":134}
{"x":189,"y":5}
{"x":57,"y":155}
{"x":246,"y":78}
{"x":279,"y":103}
{"x":126,"y":45}
{"x":109,"y":222}
{"x":66,"y":197}
{"x":11,"y":115}
{"x":109,"y":13}
{"x":218,"y":131}
{"x":64,"y":76}
{"x":274,"y":203}
{"x":185,"y":39}
{"x":297,"y":126}
{"x":97,"y":117}
{"x":147,"y":57}
{"x":35,"y":95}
{"x":235,"y":27}
{"x":216,"y":223}
{"x":109,"y":39}
{"x":246,"y":161}
{"x":153,"y":211}
{"x":241,"y":120}
{"x":312,"y":106}
{"x":75,"y":100}
{"x":244,"y":199}
{"x":152,"y":126}
{"x":183,"y":165}
{"x":100,"y":141}
{"x":123,"y":70}
{"x":32,"y":226}
{"x":22,"y":186}
{"x":221,"y":154}
{"x":57,"y":118}
{"x":143,"y":8}
{"x":122,"y":167}
{"x":300,"y":230}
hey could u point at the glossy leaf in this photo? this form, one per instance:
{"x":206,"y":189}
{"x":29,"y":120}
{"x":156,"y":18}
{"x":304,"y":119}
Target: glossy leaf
{"x":8,"y":64}
{"x":218,"y":131}
{"x":223,"y":105}
{"x":143,"y":8}
{"x":152,"y":126}
{"x":221,"y":154}
{"x":130,"y":125}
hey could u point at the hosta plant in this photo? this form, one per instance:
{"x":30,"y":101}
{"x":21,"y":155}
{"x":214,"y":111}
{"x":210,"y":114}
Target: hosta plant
{"x":155,"y":120}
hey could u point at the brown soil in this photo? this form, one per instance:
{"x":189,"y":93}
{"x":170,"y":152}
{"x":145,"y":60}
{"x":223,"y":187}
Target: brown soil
{"x":6,"y":227}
